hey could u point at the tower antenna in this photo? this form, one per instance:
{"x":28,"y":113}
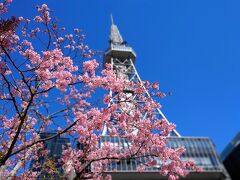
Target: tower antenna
{"x":111,"y":16}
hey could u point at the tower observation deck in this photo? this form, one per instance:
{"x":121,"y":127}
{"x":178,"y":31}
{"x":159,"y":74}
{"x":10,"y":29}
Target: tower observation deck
{"x":201,"y":149}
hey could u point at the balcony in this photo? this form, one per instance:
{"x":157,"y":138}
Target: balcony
{"x":119,"y":52}
{"x":201,"y":150}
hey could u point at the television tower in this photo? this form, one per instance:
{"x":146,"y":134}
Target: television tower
{"x":201,"y":149}
{"x":122,"y":58}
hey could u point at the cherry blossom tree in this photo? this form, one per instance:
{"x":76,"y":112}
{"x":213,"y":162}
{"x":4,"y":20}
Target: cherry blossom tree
{"x":49,"y":80}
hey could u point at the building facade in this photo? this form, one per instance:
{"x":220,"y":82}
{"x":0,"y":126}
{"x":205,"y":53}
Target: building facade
{"x":54,"y":147}
{"x":231,"y":157}
{"x":200,"y":149}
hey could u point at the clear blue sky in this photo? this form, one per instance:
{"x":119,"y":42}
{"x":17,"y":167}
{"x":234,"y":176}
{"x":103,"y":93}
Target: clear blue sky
{"x":190,"y":47}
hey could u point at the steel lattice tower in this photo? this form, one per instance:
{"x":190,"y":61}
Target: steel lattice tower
{"x":122,"y":59}
{"x":201,"y":149}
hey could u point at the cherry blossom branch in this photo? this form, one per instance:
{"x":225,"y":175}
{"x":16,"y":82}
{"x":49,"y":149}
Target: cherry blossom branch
{"x":45,"y":139}
{"x":22,"y":119}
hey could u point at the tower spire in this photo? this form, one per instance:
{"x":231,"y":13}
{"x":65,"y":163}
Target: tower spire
{"x":115,"y":36}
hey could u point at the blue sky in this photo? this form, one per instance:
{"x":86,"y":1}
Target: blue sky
{"x":191,"y":48}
